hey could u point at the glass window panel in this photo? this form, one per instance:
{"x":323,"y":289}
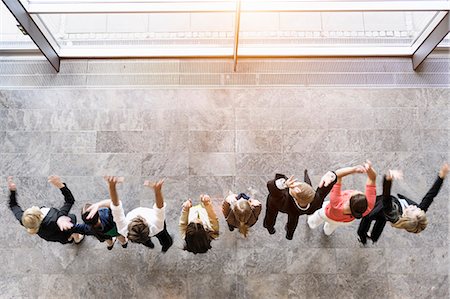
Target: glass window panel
{"x":348,"y":29}
{"x":445,"y":42}
{"x":141,"y":31}
{"x":10,"y":35}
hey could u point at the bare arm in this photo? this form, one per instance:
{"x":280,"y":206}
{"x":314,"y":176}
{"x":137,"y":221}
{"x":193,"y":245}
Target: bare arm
{"x":182,"y":225}
{"x":371,"y":173}
{"x":112,"y":182}
{"x":342,"y":172}
{"x":206,"y":200}
{"x":159,"y":200}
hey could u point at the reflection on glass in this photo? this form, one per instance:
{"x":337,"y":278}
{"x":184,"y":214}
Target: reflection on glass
{"x":141,"y":30}
{"x":313,"y":29}
{"x":10,"y":35}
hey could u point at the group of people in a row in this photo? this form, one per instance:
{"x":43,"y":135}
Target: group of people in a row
{"x":199,"y":224}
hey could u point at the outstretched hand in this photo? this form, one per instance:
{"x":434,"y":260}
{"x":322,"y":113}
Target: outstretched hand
{"x":155,"y":185}
{"x":327,"y":179}
{"x":292,"y":182}
{"x":394,"y":175}
{"x":187,"y":205}
{"x":64,"y":223}
{"x":205,"y":199}
{"x":11,"y":185}
{"x":114,"y":180}
{"x":55,"y":181}
{"x":443,"y":171}
{"x":92,"y":209}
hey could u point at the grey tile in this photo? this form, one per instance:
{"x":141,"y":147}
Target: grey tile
{"x":258,"y":118}
{"x":313,"y":260}
{"x":165,"y":164}
{"x":73,"y":142}
{"x":211,"y":119}
{"x":267,"y":286}
{"x":304,"y":141}
{"x":365,"y":285}
{"x":214,"y":186}
{"x":361,"y":261}
{"x":203,"y":164}
{"x":258,"y":164}
{"x":165,"y":119}
{"x":418,"y":285}
{"x":312,"y":285}
{"x":258,"y":141}
{"x":412,"y":261}
{"x":304,"y":118}
{"x":211,"y":141}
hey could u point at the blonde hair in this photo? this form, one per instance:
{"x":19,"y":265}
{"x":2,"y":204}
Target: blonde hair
{"x":32,"y":219}
{"x":412,"y":224}
{"x":242,"y":212}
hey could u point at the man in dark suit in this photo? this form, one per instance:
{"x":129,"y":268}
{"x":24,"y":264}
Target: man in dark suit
{"x":288,"y":195}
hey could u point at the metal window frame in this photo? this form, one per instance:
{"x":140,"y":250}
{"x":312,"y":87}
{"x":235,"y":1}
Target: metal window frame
{"x":426,"y":39}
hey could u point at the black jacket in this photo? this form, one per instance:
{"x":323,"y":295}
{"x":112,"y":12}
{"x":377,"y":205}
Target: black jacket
{"x":49,"y":229}
{"x":282,"y":201}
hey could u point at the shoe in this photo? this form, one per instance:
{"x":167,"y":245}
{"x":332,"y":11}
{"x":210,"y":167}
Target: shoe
{"x":166,"y":247}
{"x":231,"y":228}
{"x":124,"y":245}
{"x":109,"y":247}
{"x":271,"y":230}
{"x":149,"y":244}
{"x":288,"y":236}
{"x":79,"y":240}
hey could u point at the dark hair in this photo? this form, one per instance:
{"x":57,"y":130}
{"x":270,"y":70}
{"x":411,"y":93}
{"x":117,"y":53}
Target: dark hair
{"x":93,"y":221}
{"x":358,"y":205}
{"x":198,"y":240}
{"x":138,"y":230}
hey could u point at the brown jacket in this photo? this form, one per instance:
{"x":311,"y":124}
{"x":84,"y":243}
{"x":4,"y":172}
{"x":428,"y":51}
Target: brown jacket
{"x":255,"y":205}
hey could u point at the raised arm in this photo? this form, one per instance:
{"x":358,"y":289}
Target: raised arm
{"x":206,"y":200}
{"x":69,"y":200}
{"x":112,"y":182}
{"x":342,"y":172}
{"x":159,"y":200}
{"x":387,"y":184}
{"x":116,"y":206}
{"x":371,"y":173}
{"x":182,"y":225}
{"x":13,"y":205}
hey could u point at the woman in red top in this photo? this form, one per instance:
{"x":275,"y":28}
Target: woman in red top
{"x":345,"y":206}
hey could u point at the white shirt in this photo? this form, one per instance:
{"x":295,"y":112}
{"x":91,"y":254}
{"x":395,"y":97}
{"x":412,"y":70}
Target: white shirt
{"x":154,"y":218}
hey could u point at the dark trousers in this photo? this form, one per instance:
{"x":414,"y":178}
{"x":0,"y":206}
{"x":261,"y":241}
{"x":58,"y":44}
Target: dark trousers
{"x":164,"y":238}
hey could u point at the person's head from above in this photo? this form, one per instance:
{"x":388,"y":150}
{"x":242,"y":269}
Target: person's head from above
{"x":32,"y":219}
{"x":413,"y":220}
{"x":94,"y":220}
{"x":138,"y":230}
{"x":242,"y":212}
{"x":198,"y":239}
{"x":357,"y":205}
{"x":303,"y":193}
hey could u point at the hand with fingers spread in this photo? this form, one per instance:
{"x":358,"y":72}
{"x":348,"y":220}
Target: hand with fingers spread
{"x":114,"y":180}
{"x":55,"y":181}
{"x":205,"y":199}
{"x":394,"y":175}
{"x":292,"y":182}
{"x":187,"y":205}
{"x":443,"y":171}
{"x":11,"y":185}
{"x":155,"y":185}
{"x":64,"y":223}
{"x":327,"y":179}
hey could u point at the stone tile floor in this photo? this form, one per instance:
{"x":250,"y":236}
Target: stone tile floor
{"x":211,"y":141}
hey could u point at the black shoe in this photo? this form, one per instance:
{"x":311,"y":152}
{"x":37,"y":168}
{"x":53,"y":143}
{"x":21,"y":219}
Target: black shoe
{"x":271,"y":230}
{"x":288,"y":236}
{"x":124,"y":245}
{"x":149,"y":244}
{"x":231,"y":228}
{"x":166,"y":247}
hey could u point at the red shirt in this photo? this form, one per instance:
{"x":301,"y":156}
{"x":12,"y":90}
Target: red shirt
{"x":335,"y":209}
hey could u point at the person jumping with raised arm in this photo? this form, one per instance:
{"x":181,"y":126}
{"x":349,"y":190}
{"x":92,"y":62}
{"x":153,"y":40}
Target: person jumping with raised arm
{"x":140,"y":224}
{"x":346,"y":206}
{"x":402,"y":212}
{"x":288,"y":195}
{"x":51,"y":224}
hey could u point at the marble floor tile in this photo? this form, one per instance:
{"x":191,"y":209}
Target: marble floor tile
{"x":212,"y":141}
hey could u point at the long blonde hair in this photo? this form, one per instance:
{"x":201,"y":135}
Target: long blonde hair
{"x":32,"y":219}
{"x":242,"y":212}
{"x":412,"y":224}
